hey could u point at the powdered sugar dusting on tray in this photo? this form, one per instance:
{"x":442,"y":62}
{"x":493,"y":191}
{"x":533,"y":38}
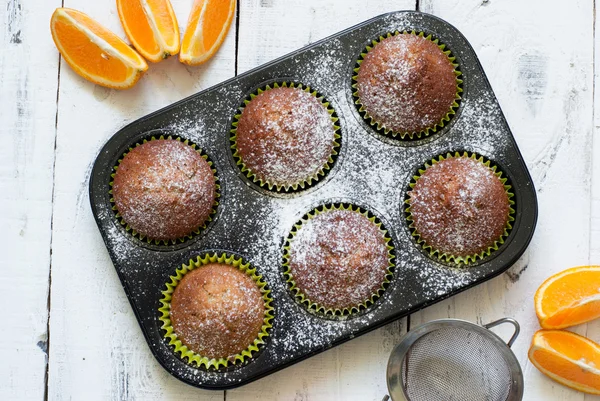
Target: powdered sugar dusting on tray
{"x":190,"y":129}
{"x":484,"y":127}
{"x":371,"y":171}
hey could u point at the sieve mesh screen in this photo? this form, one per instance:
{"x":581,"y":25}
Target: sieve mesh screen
{"x":454,"y":364}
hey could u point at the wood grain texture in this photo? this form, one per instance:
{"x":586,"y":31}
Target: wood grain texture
{"x":544,"y":83}
{"x":97,"y":349}
{"x":28,"y":80}
{"x":273,"y":28}
{"x":352,"y":371}
{"x":355,"y":370}
{"x":593,"y":329}
{"x":595,"y":209}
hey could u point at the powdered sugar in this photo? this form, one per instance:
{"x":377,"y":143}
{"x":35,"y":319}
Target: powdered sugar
{"x":217,"y":311}
{"x":406,"y":83}
{"x":164,"y":189}
{"x":459,"y":206}
{"x":285,"y":136}
{"x":372,"y":171}
{"x":338,"y":259}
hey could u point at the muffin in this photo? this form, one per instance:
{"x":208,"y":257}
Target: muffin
{"x":285,"y":137}
{"x":164,"y":190}
{"x":460,"y":207}
{"x":406,"y":84}
{"x":217,"y":311}
{"x":338,"y":259}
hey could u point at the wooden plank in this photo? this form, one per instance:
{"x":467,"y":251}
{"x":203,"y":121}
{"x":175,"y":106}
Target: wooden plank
{"x":595,"y":163}
{"x":352,"y":371}
{"x":355,"y":370}
{"x":273,"y":28}
{"x":97,"y":348}
{"x":544,"y":82}
{"x":28,"y":81}
{"x":593,"y":328}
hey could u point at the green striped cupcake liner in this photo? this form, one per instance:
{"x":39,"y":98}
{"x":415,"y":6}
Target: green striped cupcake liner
{"x":303,"y":299}
{"x":449,"y":258}
{"x":308,"y":181}
{"x":406,"y":135}
{"x":182,"y":350}
{"x":196,"y":232}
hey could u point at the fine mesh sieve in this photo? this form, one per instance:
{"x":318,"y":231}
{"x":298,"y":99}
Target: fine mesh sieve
{"x":455,"y":360}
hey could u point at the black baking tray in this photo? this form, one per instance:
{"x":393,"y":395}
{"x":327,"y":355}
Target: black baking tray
{"x":372,"y":171}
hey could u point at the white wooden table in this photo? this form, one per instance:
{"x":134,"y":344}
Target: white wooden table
{"x":69,"y":332}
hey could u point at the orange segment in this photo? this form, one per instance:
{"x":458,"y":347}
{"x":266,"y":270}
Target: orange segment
{"x":152,"y":27}
{"x":207,"y":27}
{"x":568,"y":358}
{"x":94,"y":52}
{"x":569,"y":298}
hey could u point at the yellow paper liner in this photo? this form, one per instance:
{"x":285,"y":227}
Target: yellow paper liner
{"x":449,"y":258}
{"x":139,"y":236}
{"x":300,"y":297}
{"x":308,"y":181}
{"x":407,"y":135}
{"x":190,"y":356}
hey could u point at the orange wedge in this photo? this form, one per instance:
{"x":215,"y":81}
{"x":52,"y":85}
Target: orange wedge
{"x":94,"y":52}
{"x":569,"y":298}
{"x":568,"y":358}
{"x":207,"y":27}
{"x":151,"y":25}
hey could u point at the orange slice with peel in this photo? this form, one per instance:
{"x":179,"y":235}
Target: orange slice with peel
{"x":207,"y":27}
{"x":569,"y":298}
{"x":568,"y":358}
{"x":94,"y":52}
{"x":151,"y":26}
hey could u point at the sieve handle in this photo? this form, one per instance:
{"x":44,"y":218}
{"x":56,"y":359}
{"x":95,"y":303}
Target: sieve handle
{"x":506,"y":320}
{"x":386,"y":398}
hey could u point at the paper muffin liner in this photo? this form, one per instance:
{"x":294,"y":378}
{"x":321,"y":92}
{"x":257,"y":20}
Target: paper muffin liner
{"x":196,"y":232}
{"x":308,"y":181}
{"x":184,"y":352}
{"x":446,"y":257}
{"x":407,"y":135}
{"x":302,"y":298}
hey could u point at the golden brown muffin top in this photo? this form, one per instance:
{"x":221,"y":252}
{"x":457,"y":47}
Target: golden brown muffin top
{"x":217,"y":311}
{"x":338,"y":259}
{"x":285,"y":135}
{"x":164,"y":189}
{"x":459,"y":206}
{"x":406,"y":83}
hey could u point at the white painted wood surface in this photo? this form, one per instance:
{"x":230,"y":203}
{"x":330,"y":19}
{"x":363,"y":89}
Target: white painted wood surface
{"x":545,"y":84}
{"x":87,"y":361}
{"x":28,"y":82}
{"x":539,"y":57}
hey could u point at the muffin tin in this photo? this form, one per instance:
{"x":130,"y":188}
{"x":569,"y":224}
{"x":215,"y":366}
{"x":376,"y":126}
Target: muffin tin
{"x":371,"y":171}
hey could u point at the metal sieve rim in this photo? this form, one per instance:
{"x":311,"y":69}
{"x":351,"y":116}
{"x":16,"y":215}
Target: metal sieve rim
{"x":394,"y":367}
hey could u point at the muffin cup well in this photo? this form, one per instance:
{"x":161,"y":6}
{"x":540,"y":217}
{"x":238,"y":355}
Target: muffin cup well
{"x":196,"y":232}
{"x":449,"y":258}
{"x":165,"y":311}
{"x":406,"y":135}
{"x":308,"y":181}
{"x":303,"y":299}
